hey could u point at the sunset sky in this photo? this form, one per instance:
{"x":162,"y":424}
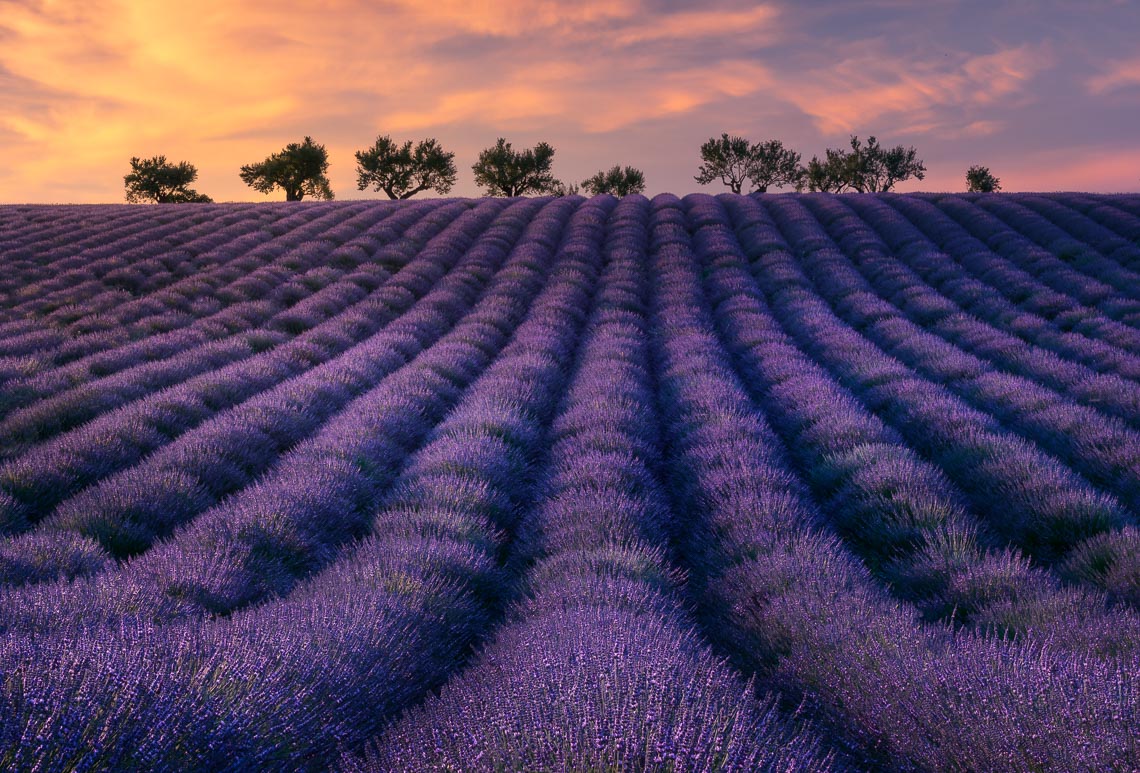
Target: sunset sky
{"x":1044,"y":92}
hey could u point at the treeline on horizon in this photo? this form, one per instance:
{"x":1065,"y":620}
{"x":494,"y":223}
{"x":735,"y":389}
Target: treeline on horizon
{"x":401,"y":171}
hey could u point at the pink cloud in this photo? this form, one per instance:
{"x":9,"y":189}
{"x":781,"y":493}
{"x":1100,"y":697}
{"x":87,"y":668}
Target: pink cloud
{"x":869,"y":84}
{"x":1119,"y":75}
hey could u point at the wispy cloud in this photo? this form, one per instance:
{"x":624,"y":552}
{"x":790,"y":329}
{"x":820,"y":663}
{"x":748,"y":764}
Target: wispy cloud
{"x":1119,"y":75}
{"x":870,"y":82}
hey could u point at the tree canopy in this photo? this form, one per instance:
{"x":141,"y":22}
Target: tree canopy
{"x":729,"y":158}
{"x":617,"y":180}
{"x":155,"y":179}
{"x":401,"y":171}
{"x":774,"y":165}
{"x":734,"y":160}
{"x":864,"y":168}
{"x":979,"y":180}
{"x":299,"y":170}
{"x":507,"y":172}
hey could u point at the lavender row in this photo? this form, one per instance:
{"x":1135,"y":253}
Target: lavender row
{"x":598,"y":666}
{"x":244,"y":329}
{"x":1101,"y":211}
{"x":791,"y":605}
{"x":1103,"y":449}
{"x":392,"y":616}
{"x":64,"y":252}
{"x":985,"y":324}
{"x":898,"y":512}
{"x":77,"y":288}
{"x":1067,"y":264}
{"x":260,"y":541}
{"x":1085,"y":244}
{"x":959,"y":270}
{"x":1010,"y":265}
{"x":1025,"y":497}
{"x":41,"y":478}
{"x":126,"y":512}
{"x":202,"y":282}
{"x":259,"y":275}
{"x":114,"y":316}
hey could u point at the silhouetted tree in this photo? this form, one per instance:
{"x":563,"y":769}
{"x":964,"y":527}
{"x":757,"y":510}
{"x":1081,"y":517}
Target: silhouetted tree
{"x":979,"y":180}
{"x":865,"y":168}
{"x":560,"y":188}
{"x":617,"y":181}
{"x":506,"y":172}
{"x":831,"y":175}
{"x":402,"y":172}
{"x":299,"y":170}
{"x":154,"y":179}
{"x":729,"y":158}
{"x":774,"y":165}
{"x":734,"y":160}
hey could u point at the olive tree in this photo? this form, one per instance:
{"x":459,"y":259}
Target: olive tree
{"x":155,"y":179}
{"x":299,"y":170}
{"x":402,"y":171}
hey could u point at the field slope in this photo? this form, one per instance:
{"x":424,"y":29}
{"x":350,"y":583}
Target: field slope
{"x":780,"y":482}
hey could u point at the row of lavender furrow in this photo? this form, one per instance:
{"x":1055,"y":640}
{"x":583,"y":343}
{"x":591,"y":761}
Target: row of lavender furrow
{"x":897,"y":511}
{"x":1103,"y":449}
{"x":984,"y":324}
{"x":1084,"y":243}
{"x":254,"y":258}
{"x":394,"y":614}
{"x":66,"y":249}
{"x":958,"y":268}
{"x":46,"y":246}
{"x":220,"y":255}
{"x":260,"y":541}
{"x":35,"y":482}
{"x":89,"y":326}
{"x":598,"y":667}
{"x":1012,"y":265}
{"x":123,"y":514}
{"x":1025,"y":496}
{"x":1129,"y":203}
{"x":293,"y":259}
{"x":791,"y":605}
{"x":1104,"y":214}
{"x":190,"y":352}
{"x":77,"y":288}
{"x":1066,"y":264}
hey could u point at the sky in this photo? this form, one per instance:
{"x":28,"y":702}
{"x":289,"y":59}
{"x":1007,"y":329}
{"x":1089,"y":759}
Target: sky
{"x":1046,"y":93}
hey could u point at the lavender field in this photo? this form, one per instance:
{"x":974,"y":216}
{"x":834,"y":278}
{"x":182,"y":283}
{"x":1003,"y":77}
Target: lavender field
{"x":781,"y":482}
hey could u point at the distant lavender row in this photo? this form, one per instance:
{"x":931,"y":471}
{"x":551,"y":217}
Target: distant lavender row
{"x":1102,"y":448}
{"x":1010,"y":265}
{"x":897,"y":511}
{"x":66,"y":396}
{"x":979,"y":320}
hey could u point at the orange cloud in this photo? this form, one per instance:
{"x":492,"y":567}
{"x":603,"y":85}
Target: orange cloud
{"x":698,"y":24}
